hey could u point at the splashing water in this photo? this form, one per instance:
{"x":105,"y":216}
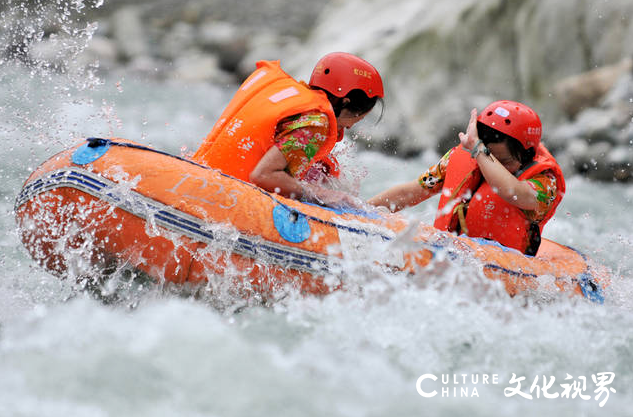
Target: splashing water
{"x":355,"y":352}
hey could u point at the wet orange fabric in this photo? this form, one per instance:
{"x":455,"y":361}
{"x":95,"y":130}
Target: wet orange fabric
{"x":544,"y":183}
{"x":176,"y":240}
{"x":246,"y":129}
{"x":488,"y":215}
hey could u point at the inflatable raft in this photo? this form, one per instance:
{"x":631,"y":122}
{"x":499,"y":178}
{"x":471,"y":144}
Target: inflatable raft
{"x":114,"y":202}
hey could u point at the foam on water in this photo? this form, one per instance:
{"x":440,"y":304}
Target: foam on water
{"x":352,"y":353}
{"x":357,"y":352}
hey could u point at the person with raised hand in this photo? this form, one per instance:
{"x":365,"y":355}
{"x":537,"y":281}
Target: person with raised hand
{"x":500,"y":183}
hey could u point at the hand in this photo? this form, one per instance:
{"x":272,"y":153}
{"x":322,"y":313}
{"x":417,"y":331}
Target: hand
{"x":330,"y":198}
{"x":471,"y":137}
{"x":335,"y":198}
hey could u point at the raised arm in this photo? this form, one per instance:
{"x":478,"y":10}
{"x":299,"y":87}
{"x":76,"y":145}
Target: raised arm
{"x":497,"y":174}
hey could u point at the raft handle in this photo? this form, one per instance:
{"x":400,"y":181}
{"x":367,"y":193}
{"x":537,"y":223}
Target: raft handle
{"x":97,"y":142}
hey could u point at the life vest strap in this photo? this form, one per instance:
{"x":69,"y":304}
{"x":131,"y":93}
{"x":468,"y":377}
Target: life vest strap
{"x":459,"y":187}
{"x":461,"y":215}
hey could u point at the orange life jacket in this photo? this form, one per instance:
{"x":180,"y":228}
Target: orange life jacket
{"x":488,"y":215}
{"x":246,"y":128}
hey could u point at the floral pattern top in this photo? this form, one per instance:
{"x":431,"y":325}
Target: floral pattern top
{"x":544,"y":183}
{"x":299,"y":138}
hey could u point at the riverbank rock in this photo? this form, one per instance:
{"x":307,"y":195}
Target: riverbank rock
{"x":129,"y":32}
{"x":225,"y":40}
{"x":569,"y":60}
{"x":586,"y":90}
{"x":436,"y":55}
{"x":599,"y":141}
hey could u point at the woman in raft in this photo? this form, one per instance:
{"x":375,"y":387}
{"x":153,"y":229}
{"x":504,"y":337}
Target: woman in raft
{"x":500,"y":183}
{"x":277,"y":132}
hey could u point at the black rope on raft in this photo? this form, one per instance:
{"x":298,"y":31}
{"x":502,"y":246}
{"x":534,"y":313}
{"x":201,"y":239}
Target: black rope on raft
{"x":96,"y":142}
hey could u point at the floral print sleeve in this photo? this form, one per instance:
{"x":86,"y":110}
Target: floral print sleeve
{"x":433,"y":179}
{"x":299,"y":137}
{"x":544,"y":184}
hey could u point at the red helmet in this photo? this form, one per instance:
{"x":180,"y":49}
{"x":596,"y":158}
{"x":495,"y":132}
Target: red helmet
{"x":340,"y":72}
{"x":515,"y":120}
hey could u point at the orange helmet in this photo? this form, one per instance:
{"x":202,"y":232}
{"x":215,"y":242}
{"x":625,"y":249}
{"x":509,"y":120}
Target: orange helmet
{"x":340,"y":72}
{"x":515,"y":120}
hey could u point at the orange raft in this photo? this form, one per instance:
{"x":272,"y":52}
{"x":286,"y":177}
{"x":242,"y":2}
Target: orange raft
{"x":114,"y":202}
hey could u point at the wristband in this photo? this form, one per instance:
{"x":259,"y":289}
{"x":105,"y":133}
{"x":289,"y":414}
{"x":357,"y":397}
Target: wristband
{"x":476,"y":151}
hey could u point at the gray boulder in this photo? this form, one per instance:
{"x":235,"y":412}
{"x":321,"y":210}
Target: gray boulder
{"x":128,"y":31}
{"x":226,"y":40}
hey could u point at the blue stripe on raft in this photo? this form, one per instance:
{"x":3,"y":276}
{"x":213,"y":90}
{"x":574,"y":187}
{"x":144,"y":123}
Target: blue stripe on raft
{"x":266,"y":193}
{"x":591,"y":289}
{"x":510,"y":271}
{"x":347,"y":210}
{"x":487,"y":242}
{"x":170,"y":220}
{"x":181,"y":225}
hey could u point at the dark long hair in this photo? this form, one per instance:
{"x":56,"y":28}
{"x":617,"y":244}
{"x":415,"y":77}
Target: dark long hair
{"x":490,"y":135}
{"x":358,"y":104}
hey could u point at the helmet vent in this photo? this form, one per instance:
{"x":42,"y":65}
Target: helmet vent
{"x":327,"y":71}
{"x":489,"y":113}
{"x":508,"y":121}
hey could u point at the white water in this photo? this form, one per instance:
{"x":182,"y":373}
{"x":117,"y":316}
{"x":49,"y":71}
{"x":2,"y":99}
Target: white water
{"x":354,"y":353}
